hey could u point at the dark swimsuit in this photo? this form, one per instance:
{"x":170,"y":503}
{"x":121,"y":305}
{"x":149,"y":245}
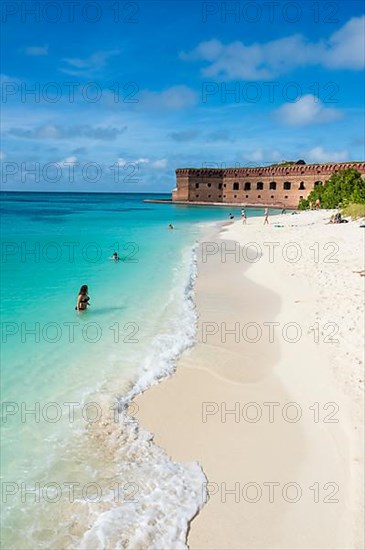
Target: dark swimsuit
{"x":84,"y":301}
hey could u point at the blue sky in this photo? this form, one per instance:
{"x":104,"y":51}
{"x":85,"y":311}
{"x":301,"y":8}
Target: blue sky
{"x":126,"y":92}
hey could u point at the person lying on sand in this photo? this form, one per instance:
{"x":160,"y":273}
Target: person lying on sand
{"x":362,"y":272}
{"x":336,"y":218}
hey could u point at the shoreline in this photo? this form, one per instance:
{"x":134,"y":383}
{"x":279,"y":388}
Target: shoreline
{"x":214,"y":376}
{"x":256,"y":206}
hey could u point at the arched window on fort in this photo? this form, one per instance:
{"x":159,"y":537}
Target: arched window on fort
{"x":287,"y":185}
{"x":317,"y":183}
{"x":236,"y":186}
{"x":259,"y":186}
{"x":273,"y":185}
{"x":197,"y":185}
{"x":247,"y":186}
{"x":219,"y":186}
{"x":301,"y":186}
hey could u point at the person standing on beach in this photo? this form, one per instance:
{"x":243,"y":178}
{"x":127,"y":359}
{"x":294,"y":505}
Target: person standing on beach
{"x":318,"y":204}
{"x":266,"y":214}
{"x":243,"y":214}
{"x":82,"y":299}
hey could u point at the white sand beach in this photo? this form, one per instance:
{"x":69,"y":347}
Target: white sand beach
{"x":270,"y":400}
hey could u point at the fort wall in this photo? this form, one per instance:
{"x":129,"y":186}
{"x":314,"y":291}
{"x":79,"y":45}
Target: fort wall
{"x":279,"y":185}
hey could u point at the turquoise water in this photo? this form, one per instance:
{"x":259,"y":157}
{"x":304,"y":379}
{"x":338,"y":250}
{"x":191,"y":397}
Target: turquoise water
{"x":73,"y":369}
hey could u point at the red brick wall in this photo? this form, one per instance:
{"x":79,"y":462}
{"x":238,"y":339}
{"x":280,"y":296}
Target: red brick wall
{"x":219,"y":185}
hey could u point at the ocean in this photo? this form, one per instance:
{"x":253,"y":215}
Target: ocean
{"x":77,"y":470}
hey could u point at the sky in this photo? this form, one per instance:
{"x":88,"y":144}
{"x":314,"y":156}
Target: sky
{"x":114,"y":96}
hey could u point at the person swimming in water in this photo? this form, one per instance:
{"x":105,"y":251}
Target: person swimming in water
{"x":115,"y":257}
{"x":82,"y":299}
{"x":171,"y":226}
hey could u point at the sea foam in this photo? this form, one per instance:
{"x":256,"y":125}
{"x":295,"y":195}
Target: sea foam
{"x":167,"y":494}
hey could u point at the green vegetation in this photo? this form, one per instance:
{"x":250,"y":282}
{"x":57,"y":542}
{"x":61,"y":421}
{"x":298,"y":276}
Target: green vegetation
{"x":288,"y":163}
{"x":343,"y":188}
{"x":354,"y":211}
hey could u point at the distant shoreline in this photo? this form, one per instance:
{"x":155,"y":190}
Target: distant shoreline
{"x":225,"y":204}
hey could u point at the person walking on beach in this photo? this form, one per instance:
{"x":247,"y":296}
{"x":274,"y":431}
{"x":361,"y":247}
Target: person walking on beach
{"x":318,"y":204}
{"x":82,"y":299}
{"x":266,"y":214}
{"x":243,"y":214}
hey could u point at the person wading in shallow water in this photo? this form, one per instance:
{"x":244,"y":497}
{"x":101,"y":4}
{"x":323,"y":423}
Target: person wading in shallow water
{"x":82,"y":299}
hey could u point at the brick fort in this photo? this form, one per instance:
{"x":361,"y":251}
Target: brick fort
{"x":279,"y":185}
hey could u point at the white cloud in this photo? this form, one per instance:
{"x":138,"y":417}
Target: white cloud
{"x":51,"y":131}
{"x":77,"y":66}
{"x":318,"y":154}
{"x":122,"y":162}
{"x":68,"y":161}
{"x":174,"y":98}
{"x":307,"y":110}
{"x":344,"y":49}
{"x":159,"y":163}
{"x":36,"y":50}
{"x":5,"y":79}
{"x":347,"y":45}
{"x":256,"y":156}
{"x":262,"y":156}
{"x":48,"y":132}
